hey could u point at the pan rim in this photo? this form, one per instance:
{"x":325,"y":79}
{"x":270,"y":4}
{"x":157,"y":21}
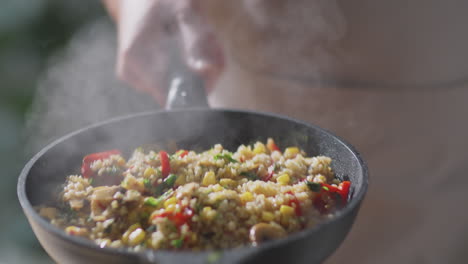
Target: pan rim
{"x":82,"y":242}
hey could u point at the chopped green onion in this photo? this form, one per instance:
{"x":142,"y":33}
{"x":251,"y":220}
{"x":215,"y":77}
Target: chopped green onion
{"x":177,"y":243}
{"x":147,"y":183}
{"x":276,"y":167}
{"x":151,"y":201}
{"x":170,"y":180}
{"x":144,"y":215}
{"x":155,"y":202}
{"x":167,"y":183}
{"x":151,"y":229}
{"x":325,"y":188}
{"x":313,"y":186}
{"x":250,"y":175}
{"x":198,"y":207}
{"x":225,"y":157}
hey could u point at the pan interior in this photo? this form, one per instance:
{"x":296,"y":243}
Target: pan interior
{"x":195,"y":130}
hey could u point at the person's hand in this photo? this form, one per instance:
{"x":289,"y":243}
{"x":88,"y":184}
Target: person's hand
{"x":150,"y":30}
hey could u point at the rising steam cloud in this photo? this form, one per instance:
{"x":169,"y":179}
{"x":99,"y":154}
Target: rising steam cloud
{"x":79,"y":88}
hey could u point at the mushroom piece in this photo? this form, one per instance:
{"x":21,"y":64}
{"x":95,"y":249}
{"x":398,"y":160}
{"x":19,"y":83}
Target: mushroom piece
{"x":263,"y":232}
{"x":101,"y":197}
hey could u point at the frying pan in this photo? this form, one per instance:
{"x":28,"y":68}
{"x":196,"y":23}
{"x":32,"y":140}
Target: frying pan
{"x":195,"y":128}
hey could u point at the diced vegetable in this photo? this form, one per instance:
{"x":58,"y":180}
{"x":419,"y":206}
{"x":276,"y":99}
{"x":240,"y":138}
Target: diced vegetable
{"x":267,"y":216}
{"x":226,"y":157}
{"x":271,"y":145}
{"x":209,"y":179}
{"x":313,"y":186}
{"x":170,"y":201}
{"x":230,"y":183}
{"x":287,"y":210}
{"x":250,"y":175}
{"x":246,"y":197}
{"x":167,"y":183}
{"x":86,"y":171}
{"x":149,"y":172}
{"x":156,"y":202}
{"x":207,"y":213}
{"x":291,"y":152}
{"x":76,"y":231}
{"x":339,"y":194}
{"x":165,"y":164}
{"x":344,"y":187}
{"x":126,"y":235}
{"x":151,"y":201}
{"x":182,"y":153}
{"x":294,"y":201}
{"x":136,"y":237}
{"x":177,"y":243}
{"x":283,"y":179}
{"x":178,"y":218}
{"x":259,"y":148}
{"x":170,"y":180}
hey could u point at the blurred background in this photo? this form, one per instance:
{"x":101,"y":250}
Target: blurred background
{"x":46,"y":49}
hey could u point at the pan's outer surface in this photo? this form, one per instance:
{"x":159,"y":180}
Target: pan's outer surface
{"x":195,"y":129}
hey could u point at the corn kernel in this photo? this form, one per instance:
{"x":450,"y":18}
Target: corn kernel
{"x":132,"y":183}
{"x":76,"y":231}
{"x":126,"y":235}
{"x":267,"y":216}
{"x":283,"y":179}
{"x":170,"y":208}
{"x":291,"y":152}
{"x":246,"y":197}
{"x":259,"y":148}
{"x":148,"y":172}
{"x":217,"y":188}
{"x":136,"y":237}
{"x":208,"y":213}
{"x":180,"y":180}
{"x":209,"y":178}
{"x":320,"y":178}
{"x":121,"y":162}
{"x":170,"y":201}
{"x":286,"y":210}
{"x":228,"y":183}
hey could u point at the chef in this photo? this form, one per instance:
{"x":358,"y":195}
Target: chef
{"x":390,"y":77}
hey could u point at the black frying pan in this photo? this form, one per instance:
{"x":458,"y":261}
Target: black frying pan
{"x":194,"y":128}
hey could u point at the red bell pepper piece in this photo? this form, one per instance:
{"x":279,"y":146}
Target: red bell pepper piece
{"x":342,"y":190}
{"x":271,"y":170}
{"x":271,"y":145}
{"x":165,"y":164}
{"x":295,"y":201}
{"x":183,"y":153}
{"x":86,"y":171}
{"x":179,"y":218}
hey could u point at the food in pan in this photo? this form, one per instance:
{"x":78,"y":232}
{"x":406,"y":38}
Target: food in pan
{"x":185,"y":200}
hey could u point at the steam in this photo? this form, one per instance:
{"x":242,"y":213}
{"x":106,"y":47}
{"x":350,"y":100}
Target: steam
{"x":282,"y":53}
{"x":79,"y":88}
{"x":290,"y":38}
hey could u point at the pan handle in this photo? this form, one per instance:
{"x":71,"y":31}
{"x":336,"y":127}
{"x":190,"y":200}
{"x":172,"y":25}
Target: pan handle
{"x":186,"y":88}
